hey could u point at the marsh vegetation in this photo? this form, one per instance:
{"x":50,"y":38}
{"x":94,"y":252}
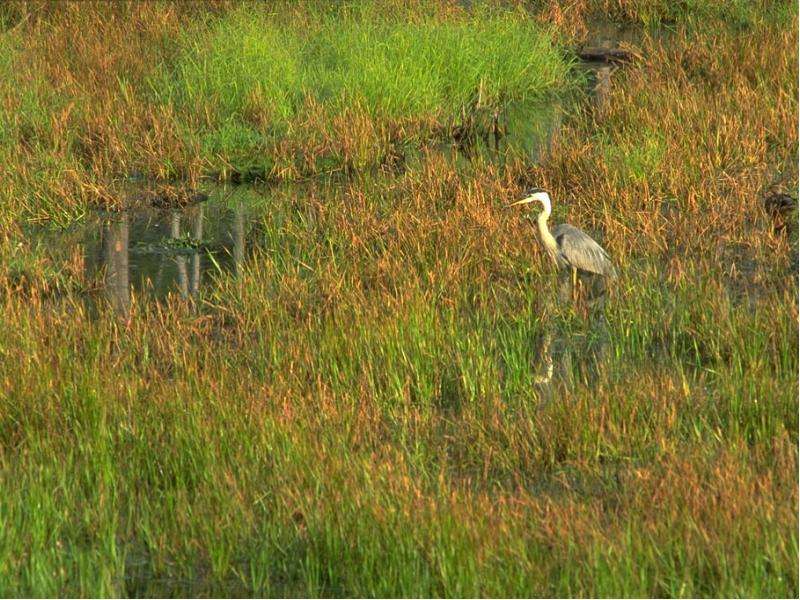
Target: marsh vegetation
{"x":335,"y":389}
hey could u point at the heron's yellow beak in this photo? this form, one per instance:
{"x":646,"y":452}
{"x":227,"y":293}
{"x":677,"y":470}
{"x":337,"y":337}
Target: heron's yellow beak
{"x":523,"y":201}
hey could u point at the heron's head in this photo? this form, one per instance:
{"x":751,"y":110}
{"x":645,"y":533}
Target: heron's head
{"x":535,"y":195}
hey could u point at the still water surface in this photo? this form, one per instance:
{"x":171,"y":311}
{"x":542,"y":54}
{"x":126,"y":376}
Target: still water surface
{"x":157,"y":252}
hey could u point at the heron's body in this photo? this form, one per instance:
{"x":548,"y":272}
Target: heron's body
{"x":572,"y":251}
{"x":568,"y":246}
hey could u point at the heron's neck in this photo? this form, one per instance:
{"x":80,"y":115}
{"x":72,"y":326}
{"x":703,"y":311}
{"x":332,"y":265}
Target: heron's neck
{"x":544,"y":232}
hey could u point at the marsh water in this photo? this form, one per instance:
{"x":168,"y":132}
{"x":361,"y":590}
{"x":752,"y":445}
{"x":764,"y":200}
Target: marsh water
{"x":151,"y":253}
{"x":159,"y":252}
{"x":144,"y":254}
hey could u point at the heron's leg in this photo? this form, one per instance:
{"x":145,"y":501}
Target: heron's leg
{"x":598,"y":301}
{"x":547,"y":359}
{"x":564,"y":286}
{"x":574,"y":284}
{"x":583,"y":295}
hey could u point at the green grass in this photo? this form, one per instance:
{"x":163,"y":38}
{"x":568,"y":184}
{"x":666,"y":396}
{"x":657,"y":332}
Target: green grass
{"x":735,"y":14}
{"x":355,"y":412}
{"x":286,"y":437}
{"x":249,"y":82}
{"x":299,"y":91}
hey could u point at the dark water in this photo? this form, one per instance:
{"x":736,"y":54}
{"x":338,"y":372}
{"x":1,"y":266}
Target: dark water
{"x":159,"y":252}
{"x":151,"y":252}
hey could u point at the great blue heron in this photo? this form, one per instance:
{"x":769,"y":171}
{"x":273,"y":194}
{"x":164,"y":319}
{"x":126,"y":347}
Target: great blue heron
{"x":568,"y":246}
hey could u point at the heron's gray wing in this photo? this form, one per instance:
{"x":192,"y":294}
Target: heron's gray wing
{"x":581,"y":251}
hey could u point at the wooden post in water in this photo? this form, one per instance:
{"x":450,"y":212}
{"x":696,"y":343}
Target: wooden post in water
{"x":198,"y":235}
{"x":115,"y":257}
{"x":180,"y":260}
{"x":238,"y":237}
{"x":602,"y":90}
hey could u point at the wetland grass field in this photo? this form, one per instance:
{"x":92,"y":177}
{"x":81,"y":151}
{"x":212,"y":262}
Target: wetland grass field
{"x":332,"y":383}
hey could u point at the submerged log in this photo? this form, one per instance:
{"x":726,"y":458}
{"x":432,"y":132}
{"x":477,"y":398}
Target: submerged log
{"x":779,"y":203}
{"x":608,"y":54}
{"x":174,"y":197}
{"x":781,"y":207}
